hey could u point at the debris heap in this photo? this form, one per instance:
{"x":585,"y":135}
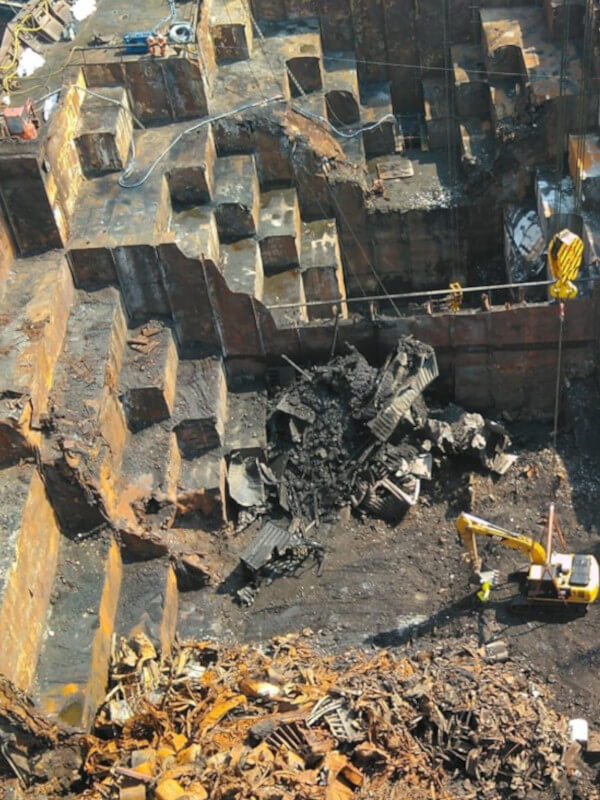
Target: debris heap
{"x":284,"y":722}
{"x":35,"y":752}
{"x":275,"y":552}
{"x":347,"y":432}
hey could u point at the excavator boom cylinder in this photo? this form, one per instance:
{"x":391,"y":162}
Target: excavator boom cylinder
{"x":470,"y":526}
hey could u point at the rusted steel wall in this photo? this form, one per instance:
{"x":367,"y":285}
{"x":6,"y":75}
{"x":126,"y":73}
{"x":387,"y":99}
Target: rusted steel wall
{"x":7,"y":249}
{"x":165,"y":90}
{"x":25,"y":201}
{"x":502,"y":360}
{"x":63,"y":175}
{"x":369,"y":34}
{"x":395,"y":40}
{"x":29,"y":560}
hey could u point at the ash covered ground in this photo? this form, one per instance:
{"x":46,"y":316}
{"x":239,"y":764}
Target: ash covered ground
{"x":406,"y":586}
{"x":384,"y":584}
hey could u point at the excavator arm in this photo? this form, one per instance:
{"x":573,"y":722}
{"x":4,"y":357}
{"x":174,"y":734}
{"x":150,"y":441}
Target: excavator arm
{"x":469,"y":527}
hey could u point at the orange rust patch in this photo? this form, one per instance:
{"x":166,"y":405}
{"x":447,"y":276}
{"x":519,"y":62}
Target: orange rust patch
{"x":168,"y":625}
{"x":28,"y":586}
{"x":98,"y":672}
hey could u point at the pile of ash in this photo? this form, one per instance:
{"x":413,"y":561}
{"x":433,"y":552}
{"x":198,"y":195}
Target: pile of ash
{"x":349,"y":433}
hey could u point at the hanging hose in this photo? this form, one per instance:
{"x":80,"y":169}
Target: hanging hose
{"x":172,"y":13}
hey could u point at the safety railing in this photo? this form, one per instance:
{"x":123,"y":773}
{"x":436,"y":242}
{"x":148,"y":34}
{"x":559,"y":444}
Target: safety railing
{"x":486,"y":297}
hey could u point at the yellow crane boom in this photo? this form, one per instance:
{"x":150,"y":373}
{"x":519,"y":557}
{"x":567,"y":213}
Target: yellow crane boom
{"x":469,"y":527}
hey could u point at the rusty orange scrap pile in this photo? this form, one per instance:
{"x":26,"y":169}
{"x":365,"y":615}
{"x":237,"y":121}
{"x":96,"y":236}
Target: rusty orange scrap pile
{"x":282,"y":722}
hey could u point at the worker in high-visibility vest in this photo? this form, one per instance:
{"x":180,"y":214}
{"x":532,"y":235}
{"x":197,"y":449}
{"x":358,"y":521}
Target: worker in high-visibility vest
{"x":157,"y":45}
{"x":485,"y":592}
{"x":486,"y":581}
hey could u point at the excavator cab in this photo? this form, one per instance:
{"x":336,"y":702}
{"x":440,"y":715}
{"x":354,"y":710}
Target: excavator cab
{"x":570,"y":578}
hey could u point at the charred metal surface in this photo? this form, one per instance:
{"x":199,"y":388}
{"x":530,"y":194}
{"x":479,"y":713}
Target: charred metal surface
{"x":103,"y":136}
{"x":242,"y":267}
{"x":376,"y":105}
{"x":26,"y":205}
{"x":279,"y":230}
{"x":72,"y":670}
{"x":200,"y":406}
{"x":81,"y":456}
{"x":92,"y":267}
{"x":34,"y":309}
{"x":202,"y":493}
{"x":30,"y":539}
{"x":270,"y":538}
{"x":147,"y":489}
{"x":149,"y":374}
{"x":231,"y":30}
{"x":210,"y":206}
{"x":191,"y":175}
{"x":307,"y":72}
{"x":236,"y":197}
{"x":246,"y":426}
{"x":274,"y":553}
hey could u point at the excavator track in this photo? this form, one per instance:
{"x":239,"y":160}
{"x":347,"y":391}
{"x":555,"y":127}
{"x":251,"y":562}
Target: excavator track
{"x":545,"y":611}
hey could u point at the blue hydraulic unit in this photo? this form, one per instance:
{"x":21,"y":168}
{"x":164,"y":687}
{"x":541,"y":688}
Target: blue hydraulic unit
{"x":136,"y":43}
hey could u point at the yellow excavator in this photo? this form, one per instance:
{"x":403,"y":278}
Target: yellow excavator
{"x":552,"y":577}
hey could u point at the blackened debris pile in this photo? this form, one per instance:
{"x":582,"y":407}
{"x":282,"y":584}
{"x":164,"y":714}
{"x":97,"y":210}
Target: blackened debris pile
{"x":347,"y":432}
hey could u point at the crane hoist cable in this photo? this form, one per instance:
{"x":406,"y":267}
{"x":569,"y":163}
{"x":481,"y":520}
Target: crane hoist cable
{"x":565,"y":251}
{"x":565,"y":254}
{"x":562,"y":115}
{"x":561,"y":317}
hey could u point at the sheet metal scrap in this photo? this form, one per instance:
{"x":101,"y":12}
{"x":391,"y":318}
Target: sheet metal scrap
{"x":245,"y":481}
{"x":282,"y":721}
{"x":401,"y":382}
{"x":258,"y":724}
{"x":270,"y":541}
{"x":273,"y":553}
{"x":333,"y":711}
